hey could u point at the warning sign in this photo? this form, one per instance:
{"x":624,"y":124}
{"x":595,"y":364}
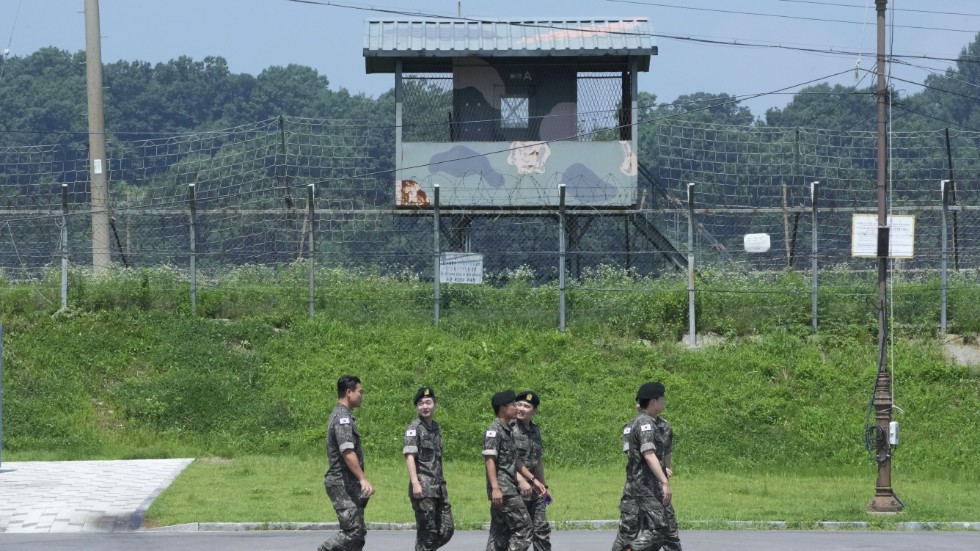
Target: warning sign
{"x":461,"y":268}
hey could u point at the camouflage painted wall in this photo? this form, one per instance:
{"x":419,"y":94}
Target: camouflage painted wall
{"x":518,"y":174}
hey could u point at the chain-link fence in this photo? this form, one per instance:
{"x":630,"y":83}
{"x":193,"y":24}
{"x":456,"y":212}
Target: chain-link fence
{"x":286,"y":194}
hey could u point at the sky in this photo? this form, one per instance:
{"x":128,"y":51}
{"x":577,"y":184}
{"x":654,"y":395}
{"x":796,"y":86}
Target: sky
{"x":740,"y":47}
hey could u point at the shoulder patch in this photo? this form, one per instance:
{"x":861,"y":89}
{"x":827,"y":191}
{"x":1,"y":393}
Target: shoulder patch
{"x":491,"y":433}
{"x":344,"y":420}
{"x":410,"y":432}
{"x":626,"y":430}
{"x":646,"y":428}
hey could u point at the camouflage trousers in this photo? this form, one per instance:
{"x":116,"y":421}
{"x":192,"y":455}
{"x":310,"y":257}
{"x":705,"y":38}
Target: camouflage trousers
{"x":433,"y":522}
{"x":351,"y":534}
{"x":540,"y":527}
{"x":646,"y":525}
{"x":510,"y":526}
{"x":350,"y":516}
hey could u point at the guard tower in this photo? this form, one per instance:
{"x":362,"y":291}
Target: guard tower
{"x":499,"y":113}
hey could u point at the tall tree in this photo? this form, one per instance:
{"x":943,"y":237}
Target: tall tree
{"x":42,"y":98}
{"x":822,"y":106}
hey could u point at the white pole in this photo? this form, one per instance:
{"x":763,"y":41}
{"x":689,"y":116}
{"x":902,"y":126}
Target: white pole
{"x":435,"y":253}
{"x":814,"y":195}
{"x":692,"y":327}
{"x":561,"y":257}
{"x":64,"y":246}
{"x":944,"y":195}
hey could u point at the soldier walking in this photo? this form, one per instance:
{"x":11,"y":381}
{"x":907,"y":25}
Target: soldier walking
{"x":527,"y":434}
{"x":427,"y":486}
{"x":510,"y":525}
{"x":347,"y":486}
{"x":644,"y":524}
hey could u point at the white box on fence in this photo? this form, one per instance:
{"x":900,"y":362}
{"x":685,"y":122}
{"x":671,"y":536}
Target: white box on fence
{"x":461,"y":268}
{"x":757,"y":242}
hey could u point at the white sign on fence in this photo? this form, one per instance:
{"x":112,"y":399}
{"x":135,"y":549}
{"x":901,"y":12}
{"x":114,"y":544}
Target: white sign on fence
{"x":461,"y":268}
{"x":864,"y":236}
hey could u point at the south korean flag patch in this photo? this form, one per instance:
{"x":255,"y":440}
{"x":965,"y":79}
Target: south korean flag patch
{"x":646,"y":428}
{"x":627,"y":430}
{"x":491,"y":434}
{"x":344,"y":420}
{"x":410,"y":432}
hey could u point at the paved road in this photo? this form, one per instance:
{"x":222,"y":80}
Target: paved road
{"x":781,"y":540}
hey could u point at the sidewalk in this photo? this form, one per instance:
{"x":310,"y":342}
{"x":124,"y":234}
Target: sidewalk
{"x":81,"y":496}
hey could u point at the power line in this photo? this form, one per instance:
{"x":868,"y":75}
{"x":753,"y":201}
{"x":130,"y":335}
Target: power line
{"x":783,"y":16}
{"x":778,"y":46}
{"x":939,"y":72}
{"x":903,"y":107}
{"x":6,"y":51}
{"x":911,"y":10}
{"x":937,"y":89}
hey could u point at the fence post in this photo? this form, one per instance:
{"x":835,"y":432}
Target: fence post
{"x":435,"y":253}
{"x":814,"y":197}
{"x":944,"y":195}
{"x":692,"y":327}
{"x":561,"y":257}
{"x":311,"y":210}
{"x":64,"y":246}
{"x":790,"y":239}
{"x":193,"y":238}
{"x":952,"y":198}
{"x":1,"y":394}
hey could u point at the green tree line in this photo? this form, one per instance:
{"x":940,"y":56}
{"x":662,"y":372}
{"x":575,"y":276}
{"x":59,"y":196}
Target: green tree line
{"x":701,"y":137}
{"x":42,"y":99}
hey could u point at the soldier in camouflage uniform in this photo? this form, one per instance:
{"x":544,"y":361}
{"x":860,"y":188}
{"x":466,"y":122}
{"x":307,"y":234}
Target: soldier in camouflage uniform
{"x":665,"y":449}
{"x":510,"y":525}
{"x":427,"y":486}
{"x":527,"y":435}
{"x":345,"y":482}
{"x":644,"y":525}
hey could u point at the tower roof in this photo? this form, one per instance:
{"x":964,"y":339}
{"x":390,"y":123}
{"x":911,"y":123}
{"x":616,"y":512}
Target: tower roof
{"x":429,"y":45}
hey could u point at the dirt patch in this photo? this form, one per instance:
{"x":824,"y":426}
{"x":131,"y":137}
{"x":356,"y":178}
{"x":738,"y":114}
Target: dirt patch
{"x":962,"y":352}
{"x":216,"y":460}
{"x":703,"y":340}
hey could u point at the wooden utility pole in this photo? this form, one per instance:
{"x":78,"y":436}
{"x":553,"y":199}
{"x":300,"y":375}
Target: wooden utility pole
{"x":885,"y":500}
{"x":98,"y":164}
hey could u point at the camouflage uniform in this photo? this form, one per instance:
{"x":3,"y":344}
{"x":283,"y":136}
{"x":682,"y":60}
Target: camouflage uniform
{"x":643,"y":519}
{"x":530,"y":448}
{"x":342,"y":487}
{"x":433,"y":515}
{"x":665,"y":447}
{"x":510,"y":525}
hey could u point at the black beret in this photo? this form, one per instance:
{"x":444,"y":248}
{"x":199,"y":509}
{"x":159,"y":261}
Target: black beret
{"x":424,"y":392}
{"x":529,"y":396}
{"x":503,"y":398}
{"x":650,"y":391}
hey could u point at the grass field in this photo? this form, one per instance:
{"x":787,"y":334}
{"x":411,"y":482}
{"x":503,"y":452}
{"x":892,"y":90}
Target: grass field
{"x":290,"y":489}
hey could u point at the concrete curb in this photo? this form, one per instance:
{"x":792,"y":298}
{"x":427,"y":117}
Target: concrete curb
{"x":578,"y":525}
